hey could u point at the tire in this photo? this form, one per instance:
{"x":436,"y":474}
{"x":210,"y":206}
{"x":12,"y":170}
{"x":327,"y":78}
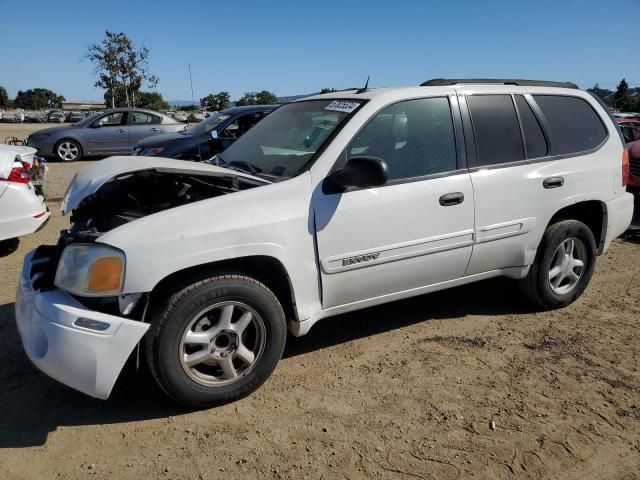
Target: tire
{"x":544,"y":285}
{"x":68,"y":150}
{"x":194,"y":325}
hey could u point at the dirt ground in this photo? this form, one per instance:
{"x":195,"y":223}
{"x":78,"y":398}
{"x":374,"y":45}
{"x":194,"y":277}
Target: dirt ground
{"x":464,"y":383}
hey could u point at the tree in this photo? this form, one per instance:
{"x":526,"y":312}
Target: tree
{"x":257,"y":98}
{"x":121,"y":68}
{"x":328,"y":90}
{"x":5,"y":102}
{"x":621,"y":97}
{"x":218,"y":101}
{"x":600,"y":92}
{"x":152,"y":101}
{"x":38,"y":99}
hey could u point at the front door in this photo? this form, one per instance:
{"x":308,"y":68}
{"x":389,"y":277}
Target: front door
{"x":111,"y":136}
{"x":416,"y":230}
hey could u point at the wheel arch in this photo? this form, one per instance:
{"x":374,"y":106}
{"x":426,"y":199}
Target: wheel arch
{"x":593,"y":213}
{"x":266,"y":269}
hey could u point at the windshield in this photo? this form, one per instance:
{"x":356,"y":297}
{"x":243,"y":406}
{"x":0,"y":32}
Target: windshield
{"x":283,"y":143}
{"x":209,"y":124}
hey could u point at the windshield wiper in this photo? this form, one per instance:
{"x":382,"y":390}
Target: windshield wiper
{"x":221,"y":162}
{"x":252,"y":169}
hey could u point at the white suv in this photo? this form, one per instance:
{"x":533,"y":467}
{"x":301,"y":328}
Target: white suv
{"x":332,"y":203}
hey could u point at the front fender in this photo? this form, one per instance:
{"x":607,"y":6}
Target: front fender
{"x":271,"y":221}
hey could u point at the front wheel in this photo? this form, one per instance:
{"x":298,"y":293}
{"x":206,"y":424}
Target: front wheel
{"x":68,"y":150}
{"x":216,"y":341}
{"x":563,"y":267}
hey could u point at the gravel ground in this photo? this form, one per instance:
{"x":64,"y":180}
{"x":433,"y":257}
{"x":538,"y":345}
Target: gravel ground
{"x":464,"y":383}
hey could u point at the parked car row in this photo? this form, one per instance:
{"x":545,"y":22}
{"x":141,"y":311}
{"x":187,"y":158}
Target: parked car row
{"x":43,"y":116}
{"x":146,"y":133}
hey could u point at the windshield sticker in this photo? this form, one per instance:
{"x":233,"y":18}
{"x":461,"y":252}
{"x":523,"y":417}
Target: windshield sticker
{"x":342,"y":106}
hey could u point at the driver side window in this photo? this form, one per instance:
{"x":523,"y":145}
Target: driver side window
{"x":240,"y":125}
{"x":414,"y":137}
{"x":114,"y":119}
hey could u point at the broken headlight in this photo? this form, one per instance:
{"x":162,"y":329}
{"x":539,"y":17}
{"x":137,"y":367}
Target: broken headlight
{"x":91,"y":270}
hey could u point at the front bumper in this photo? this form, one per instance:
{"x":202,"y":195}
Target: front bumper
{"x":85,"y":359}
{"x":43,"y":146}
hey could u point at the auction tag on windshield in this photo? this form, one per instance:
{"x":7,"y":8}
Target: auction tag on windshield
{"x":342,"y":106}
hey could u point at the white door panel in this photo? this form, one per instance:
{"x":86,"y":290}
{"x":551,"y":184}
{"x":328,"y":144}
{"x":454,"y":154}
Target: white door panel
{"x":512,"y":210}
{"x":394,"y":238}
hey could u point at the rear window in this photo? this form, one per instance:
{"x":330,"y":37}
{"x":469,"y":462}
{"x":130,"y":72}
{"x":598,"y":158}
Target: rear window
{"x":496,"y":128}
{"x":575,"y":126}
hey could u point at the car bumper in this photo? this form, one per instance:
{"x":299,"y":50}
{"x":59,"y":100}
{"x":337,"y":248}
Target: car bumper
{"x":21,"y":211}
{"x":44,"y":148}
{"x":85,"y":359}
{"x":619,"y":215}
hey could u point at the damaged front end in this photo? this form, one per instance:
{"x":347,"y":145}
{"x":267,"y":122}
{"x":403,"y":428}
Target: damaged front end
{"x":120,"y":190}
{"x":76,"y":323}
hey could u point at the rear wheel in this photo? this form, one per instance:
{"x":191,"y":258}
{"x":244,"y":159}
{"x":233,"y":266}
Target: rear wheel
{"x":68,"y":150}
{"x":216,"y":341}
{"x":563,"y":266}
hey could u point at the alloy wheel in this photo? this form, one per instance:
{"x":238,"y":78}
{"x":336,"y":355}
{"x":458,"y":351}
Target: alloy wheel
{"x":567,"y":266}
{"x":222,"y":343}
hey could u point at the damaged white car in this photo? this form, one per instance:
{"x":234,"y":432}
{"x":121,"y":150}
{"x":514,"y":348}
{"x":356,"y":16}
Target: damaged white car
{"x":330,"y":204}
{"x":22,"y":207}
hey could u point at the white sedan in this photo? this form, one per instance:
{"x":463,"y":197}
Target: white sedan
{"x":22,"y":210}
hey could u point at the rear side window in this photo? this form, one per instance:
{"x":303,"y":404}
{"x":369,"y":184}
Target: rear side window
{"x":496,"y":128}
{"x":575,"y":126}
{"x":533,"y":137}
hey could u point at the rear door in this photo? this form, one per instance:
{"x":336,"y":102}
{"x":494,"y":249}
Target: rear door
{"x":142,"y":125}
{"x":522,"y":173}
{"x":112,"y":136}
{"x":416,"y":230}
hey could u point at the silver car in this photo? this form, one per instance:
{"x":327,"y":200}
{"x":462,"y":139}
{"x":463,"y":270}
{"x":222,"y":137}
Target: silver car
{"x":110,"y":132}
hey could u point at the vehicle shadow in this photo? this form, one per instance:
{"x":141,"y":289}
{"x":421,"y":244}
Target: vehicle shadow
{"x":34,"y":405}
{"x":7,"y":247}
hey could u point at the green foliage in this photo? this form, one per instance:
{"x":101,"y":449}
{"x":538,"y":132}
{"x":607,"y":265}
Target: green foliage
{"x":5,"y":102}
{"x":603,"y":93}
{"x":328,"y":90}
{"x":121,"y":68}
{"x":152,"y":101}
{"x":218,"y":101}
{"x":38,"y":99}
{"x":621,"y":97}
{"x":257,"y":98}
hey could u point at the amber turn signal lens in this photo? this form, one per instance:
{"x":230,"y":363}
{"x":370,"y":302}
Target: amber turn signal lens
{"x":106,"y":274}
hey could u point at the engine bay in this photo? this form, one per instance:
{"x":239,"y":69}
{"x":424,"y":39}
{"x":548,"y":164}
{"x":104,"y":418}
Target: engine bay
{"x":136,"y":195}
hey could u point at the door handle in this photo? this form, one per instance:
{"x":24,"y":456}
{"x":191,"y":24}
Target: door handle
{"x":553,"y":182}
{"x":154,"y":129}
{"x":449,"y":199}
{"x":121,"y":130}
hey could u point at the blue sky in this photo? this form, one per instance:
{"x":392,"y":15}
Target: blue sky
{"x":296,"y":47}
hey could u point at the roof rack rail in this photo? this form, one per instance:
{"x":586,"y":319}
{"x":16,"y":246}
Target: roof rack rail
{"x":441,"y":82}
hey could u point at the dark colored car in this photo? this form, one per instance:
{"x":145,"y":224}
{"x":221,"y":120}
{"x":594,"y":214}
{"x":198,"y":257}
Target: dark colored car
{"x":207,"y":138}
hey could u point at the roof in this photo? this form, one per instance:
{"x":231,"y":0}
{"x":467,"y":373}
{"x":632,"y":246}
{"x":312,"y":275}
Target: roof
{"x":442,"y":82}
{"x":251,"y":108}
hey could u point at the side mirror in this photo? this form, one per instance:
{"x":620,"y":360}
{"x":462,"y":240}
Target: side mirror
{"x":213,"y":134}
{"x":361,"y":172}
{"x":96,"y":124}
